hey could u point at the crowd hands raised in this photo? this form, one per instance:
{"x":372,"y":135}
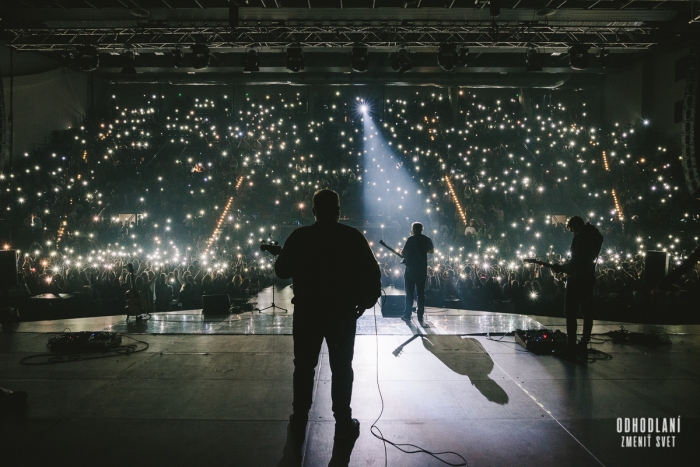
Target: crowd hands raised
{"x":167,"y":286}
{"x":149,"y":182}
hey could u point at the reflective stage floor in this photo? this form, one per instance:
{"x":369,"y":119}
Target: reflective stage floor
{"x":217,"y":391}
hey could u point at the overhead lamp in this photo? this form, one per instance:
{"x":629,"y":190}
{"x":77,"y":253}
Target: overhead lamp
{"x":359,"y":58}
{"x":533,"y":60}
{"x":400,"y":61}
{"x":87,"y":58}
{"x":447,"y":56}
{"x":200,"y":56}
{"x":251,"y":61}
{"x":178,"y":57}
{"x":602,"y":56}
{"x":295,"y":59}
{"x":578,"y":56}
{"x":128,"y":60}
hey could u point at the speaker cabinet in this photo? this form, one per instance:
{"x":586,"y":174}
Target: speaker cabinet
{"x":394,"y":305}
{"x":215,"y":304}
{"x":655,"y":266}
{"x":8,"y":268}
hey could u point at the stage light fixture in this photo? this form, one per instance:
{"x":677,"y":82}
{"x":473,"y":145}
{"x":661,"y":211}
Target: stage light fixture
{"x":447,"y":57}
{"x":178,"y":57}
{"x":359,"y":58}
{"x":251,"y":62}
{"x":295,"y":59}
{"x":578,"y":56}
{"x":87,"y":58}
{"x":128,"y":60}
{"x":200,"y":56}
{"x":602,"y":56}
{"x":533,"y":60}
{"x":400,"y":61}
{"x":363,"y":108}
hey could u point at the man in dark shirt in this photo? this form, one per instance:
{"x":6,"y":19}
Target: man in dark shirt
{"x":336,"y":278}
{"x":415,"y":253}
{"x":580,"y":284}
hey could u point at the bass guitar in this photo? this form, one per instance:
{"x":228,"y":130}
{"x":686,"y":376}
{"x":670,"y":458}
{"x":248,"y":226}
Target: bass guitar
{"x":274,"y":249}
{"x":555,"y":267}
{"x":381,"y":242}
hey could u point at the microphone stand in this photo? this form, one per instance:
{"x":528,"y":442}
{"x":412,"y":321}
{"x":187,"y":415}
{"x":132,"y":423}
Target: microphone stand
{"x":274,"y":283}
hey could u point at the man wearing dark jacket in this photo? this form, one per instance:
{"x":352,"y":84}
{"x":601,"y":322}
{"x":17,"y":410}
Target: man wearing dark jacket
{"x":336,"y":278}
{"x":415,"y":253}
{"x":580,"y":283}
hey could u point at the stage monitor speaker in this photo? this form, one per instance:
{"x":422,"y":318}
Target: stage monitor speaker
{"x":8,"y":268}
{"x":394,"y":305}
{"x":215,"y":304}
{"x":655,"y":266}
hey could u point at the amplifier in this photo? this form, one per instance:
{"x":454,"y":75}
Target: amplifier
{"x":655,"y":266}
{"x":541,"y":341}
{"x":393,"y":305}
{"x":215,"y":304}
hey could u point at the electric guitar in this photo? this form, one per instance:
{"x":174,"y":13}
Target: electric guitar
{"x":272,"y":248}
{"x":542,"y":263}
{"x":397,"y":351}
{"x":381,"y":242}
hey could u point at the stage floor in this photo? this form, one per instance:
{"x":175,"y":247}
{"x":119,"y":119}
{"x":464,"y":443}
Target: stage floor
{"x":218,"y":392}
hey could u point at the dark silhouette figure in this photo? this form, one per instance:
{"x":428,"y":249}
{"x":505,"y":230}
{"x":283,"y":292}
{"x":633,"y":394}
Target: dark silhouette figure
{"x":580,"y":284}
{"x":453,"y":352}
{"x":336,"y":278}
{"x":415,"y":253}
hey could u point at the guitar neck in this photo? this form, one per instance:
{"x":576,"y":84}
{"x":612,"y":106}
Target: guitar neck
{"x":542,"y":263}
{"x":381,"y":242}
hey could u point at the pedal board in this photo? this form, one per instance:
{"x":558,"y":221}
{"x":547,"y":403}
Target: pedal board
{"x":85,"y":341}
{"x":540,"y":341}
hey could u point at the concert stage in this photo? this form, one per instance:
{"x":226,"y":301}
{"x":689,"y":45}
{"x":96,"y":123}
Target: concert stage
{"x":217,"y":391}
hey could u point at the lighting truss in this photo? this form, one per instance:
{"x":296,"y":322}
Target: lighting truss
{"x":225,"y":39}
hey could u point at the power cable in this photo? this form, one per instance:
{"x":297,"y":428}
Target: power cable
{"x":379,"y":435}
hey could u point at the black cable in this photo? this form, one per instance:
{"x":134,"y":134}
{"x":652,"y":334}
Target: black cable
{"x":52,"y":358}
{"x":374,"y":426}
{"x":507,"y":342}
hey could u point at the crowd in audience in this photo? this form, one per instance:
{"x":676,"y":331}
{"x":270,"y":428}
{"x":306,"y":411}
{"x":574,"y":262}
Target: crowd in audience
{"x":150,"y":181}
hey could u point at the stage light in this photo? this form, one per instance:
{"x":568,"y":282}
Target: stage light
{"x":359,"y":58}
{"x":251,"y":62}
{"x":295,"y":59}
{"x":200,"y":56}
{"x":178,"y":57}
{"x":533,"y":60}
{"x":128,"y":60}
{"x":400,"y":61}
{"x":88,"y":58}
{"x":447,"y":56}
{"x":578,"y":56}
{"x":363,"y":108}
{"x":602,"y":56}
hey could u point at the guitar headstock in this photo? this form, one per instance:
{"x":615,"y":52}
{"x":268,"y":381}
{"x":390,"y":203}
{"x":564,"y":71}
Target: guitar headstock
{"x":530,"y":260}
{"x":274,"y":249}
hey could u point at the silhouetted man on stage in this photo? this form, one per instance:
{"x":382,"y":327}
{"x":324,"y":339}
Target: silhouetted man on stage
{"x":580,"y":284}
{"x":336,"y":278}
{"x":415,"y":253}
